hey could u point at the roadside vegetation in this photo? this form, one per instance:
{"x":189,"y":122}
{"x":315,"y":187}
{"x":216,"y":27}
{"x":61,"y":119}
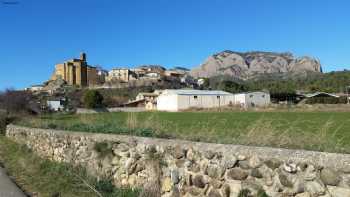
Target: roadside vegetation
{"x":40,"y":177}
{"x":319,"y":131}
{"x":3,"y":121}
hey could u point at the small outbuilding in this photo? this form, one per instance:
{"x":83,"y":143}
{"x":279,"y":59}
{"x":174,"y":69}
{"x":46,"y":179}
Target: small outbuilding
{"x":56,"y":104}
{"x":323,"y":98}
{"x":320,"y":94}
{"x":177,"y":100}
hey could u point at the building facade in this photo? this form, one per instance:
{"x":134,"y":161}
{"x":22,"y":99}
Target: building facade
{"x":76,"y":72}
{"x":121,"y":74}
{"x":177,"y":100}
{"x":252,"y":99}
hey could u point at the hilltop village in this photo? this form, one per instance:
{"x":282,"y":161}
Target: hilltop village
{"x":77,"y":72}
{"x":153,"y":87}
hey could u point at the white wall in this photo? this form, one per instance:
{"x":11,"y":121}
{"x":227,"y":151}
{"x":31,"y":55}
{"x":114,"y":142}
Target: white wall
{"x":167,"y":102}
{"x":55,"y":105}
{"x":182,"y":102}
{"x":240,"y":99}
{"x":174,"y":102}
{"x":257,"y":99}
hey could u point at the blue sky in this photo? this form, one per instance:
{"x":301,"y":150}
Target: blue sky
{"x":37,"y":34}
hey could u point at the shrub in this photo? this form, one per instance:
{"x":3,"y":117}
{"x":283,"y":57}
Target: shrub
{"x":262,"y":193}
{"x":244,"y":193}
{"x":103,"y":149}
{"x":105,"y":186}
{"x":3,"y":122}
{"x":52,"y":126}
{"x":92,"y":99}
{"x":326,"y":100}
{"x":144,"y":132}
{"x":16,"y":102}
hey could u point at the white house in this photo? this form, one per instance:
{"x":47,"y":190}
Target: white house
{"x":176,"y":100}
{"x":55,"y":105}
{"x":252,"y":99}
{"x":35,"y":88}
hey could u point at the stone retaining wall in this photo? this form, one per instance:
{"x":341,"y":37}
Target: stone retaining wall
{"x":183,"y":168}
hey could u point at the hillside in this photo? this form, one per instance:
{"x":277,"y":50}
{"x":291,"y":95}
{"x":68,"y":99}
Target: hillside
{"x":277,"y":83}
{"x":248,"y":65}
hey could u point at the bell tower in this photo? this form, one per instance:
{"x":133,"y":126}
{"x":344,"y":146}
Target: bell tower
{"x":83,"y":56}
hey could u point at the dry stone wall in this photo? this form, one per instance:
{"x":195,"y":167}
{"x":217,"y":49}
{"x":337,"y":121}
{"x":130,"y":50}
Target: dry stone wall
{"x":174,"y":168}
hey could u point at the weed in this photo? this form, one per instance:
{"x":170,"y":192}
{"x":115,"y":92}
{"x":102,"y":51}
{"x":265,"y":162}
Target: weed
{"x":131,"y":121}
{"x":107,"y":189}
{"x":244,"y":193}
{"x":52,"y":126}
{"x":103,"y":149}
{"x":104,"y":186}
{"x":144,"y":132}
{"x":261,"y":193}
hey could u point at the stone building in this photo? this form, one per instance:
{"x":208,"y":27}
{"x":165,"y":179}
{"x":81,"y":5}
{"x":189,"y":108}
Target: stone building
{"x":150,"y":71}
{"x":121,"y":74}
{"x":76,"y":72}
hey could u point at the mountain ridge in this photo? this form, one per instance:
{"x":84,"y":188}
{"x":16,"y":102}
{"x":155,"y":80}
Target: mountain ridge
{"x":245,"y":65}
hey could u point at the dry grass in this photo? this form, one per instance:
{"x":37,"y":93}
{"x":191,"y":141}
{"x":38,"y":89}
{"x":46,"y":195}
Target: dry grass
{"x":264,"y":133}
{"x":131,"y":120}
{"x":320,"y":131}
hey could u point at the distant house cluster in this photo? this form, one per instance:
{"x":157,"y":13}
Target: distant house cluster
{"x":144,"y":72}
{"x":77,"y":72}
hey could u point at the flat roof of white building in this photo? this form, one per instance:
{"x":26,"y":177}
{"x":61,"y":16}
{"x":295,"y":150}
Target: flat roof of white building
{"x":195,"y":92}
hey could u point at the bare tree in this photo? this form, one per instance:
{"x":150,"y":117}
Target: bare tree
{"x":15,"y":101}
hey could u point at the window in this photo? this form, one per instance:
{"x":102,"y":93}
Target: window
{"x":195,"y":97}
{"x":218,"y":97}
{"x":263,"y":95}
{"x":251,"y":96}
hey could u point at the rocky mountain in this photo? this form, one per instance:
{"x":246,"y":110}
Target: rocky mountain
{"x":250,"y":64}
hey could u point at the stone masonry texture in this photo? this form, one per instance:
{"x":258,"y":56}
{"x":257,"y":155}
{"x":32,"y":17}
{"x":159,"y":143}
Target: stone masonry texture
{"x":174,"y":168}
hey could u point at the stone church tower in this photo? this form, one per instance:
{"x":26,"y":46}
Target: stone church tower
{"x":76,"y":72}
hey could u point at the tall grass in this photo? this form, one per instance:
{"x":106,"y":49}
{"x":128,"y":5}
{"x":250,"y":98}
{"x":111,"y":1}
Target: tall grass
{"x":131,"y":120}
{"x":320,"y":131}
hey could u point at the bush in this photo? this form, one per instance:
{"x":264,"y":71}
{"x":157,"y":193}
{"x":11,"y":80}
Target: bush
{"x":326,"y":100}
{"x":16,"y":102}
{"x":103,"y":149}
{"x":262,"y":193}
{"x":244,"y":193}
{"x":92,"y":99}
{"x":3,"y":122}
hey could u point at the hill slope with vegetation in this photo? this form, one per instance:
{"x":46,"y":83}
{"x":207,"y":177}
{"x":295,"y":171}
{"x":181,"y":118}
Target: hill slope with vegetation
{"x":332,"y":82}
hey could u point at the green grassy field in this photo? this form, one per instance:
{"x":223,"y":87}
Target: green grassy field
{"x":321,"y":131}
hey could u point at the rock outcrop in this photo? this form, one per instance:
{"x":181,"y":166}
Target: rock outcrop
{"x":250,"y":64}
